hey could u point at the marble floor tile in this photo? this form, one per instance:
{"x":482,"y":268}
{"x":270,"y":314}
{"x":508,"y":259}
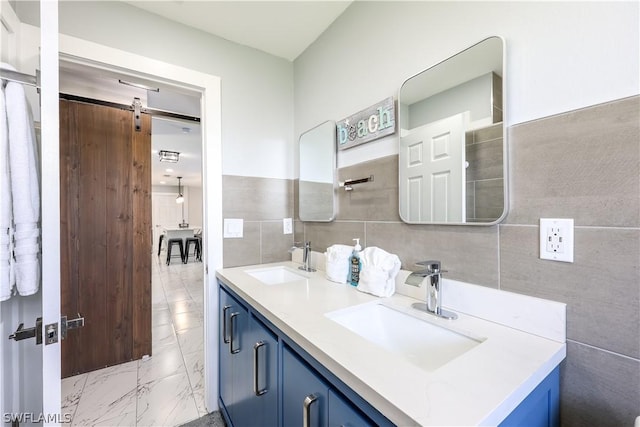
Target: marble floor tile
{"x":164,"y":362}
{"x":166,"y":389}
{"x":107,"y":392}
{"x":166,"y":401}
{"x":71,"y":391}
{"x":160,"y":317}
{"x":188,"y":320}
{"x":183,"y":306}
{"x":198,"y":395}
{"x":194,"y":363}
{"x":191,"y":340}
{"x":162,"y":335}
{"x":179,"y":294}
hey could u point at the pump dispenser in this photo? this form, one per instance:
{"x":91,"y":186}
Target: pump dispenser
{"x":355,"y":264}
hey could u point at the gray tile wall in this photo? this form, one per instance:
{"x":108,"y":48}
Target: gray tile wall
{"x":262,"y":203}
{"x":583,"y":164}
{"x":485,"y":174}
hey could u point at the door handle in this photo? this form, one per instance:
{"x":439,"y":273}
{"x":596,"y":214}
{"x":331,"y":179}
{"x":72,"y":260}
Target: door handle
{"x":22,"y":334}
{"x":306,"y":409}
{"x":224,"y":323}
{"x":232,"y":323}
{"x":256,"y":369}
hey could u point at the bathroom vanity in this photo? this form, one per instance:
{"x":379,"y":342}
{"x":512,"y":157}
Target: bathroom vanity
{"x":297,"y":349}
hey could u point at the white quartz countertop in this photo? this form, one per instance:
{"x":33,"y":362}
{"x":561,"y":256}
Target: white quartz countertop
{"x":480,"y":387}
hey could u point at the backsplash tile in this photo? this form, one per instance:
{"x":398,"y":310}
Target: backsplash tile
{"x":256,"y":199}
{"x":466,"y":253}
{"x":244,"y":251}
{"x":601,"y":287}
{"x":324,"y":234}
{"x":598,"y":388}
{"x":371,"y":201}
{"x":583,"y":165}
{"x":275,"y":244}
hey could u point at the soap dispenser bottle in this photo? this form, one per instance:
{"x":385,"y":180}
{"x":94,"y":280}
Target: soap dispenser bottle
{"x":355,"y":264}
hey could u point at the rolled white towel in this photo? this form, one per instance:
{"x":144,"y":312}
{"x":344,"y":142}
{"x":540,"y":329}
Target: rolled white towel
{"x":337,"y":263}
{"x":379,"y":271}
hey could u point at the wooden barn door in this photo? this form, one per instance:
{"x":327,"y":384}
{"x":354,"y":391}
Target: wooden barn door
{"x":105,"y":191}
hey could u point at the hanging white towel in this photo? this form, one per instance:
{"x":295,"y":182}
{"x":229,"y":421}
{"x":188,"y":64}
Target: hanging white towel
{"x":6,"y":283}
{"x":379,"y":271}
{"x":25,"y":189}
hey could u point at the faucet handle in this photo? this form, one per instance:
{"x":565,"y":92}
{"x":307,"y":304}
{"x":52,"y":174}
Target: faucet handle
{"x":432,"y":266}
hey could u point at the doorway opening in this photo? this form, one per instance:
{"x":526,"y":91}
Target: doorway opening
{"x":167,"y":386}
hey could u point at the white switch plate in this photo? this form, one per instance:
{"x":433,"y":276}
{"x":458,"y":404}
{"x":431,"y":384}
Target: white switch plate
{"x":233,"y":228}
{"x":556,"y":239}
{"x":287,"y":226}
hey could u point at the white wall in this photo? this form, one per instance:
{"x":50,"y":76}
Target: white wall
{"x":560,"y":56}
{"x":257,"y":88}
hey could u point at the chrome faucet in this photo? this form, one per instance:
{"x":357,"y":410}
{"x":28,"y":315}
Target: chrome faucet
{"x":306,"y":255}
{"x":433,"y":274}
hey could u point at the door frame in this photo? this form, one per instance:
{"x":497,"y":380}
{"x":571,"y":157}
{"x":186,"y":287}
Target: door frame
{"x":99,"y":56}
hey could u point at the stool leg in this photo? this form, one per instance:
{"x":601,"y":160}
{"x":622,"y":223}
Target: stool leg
{"x":181,"y":252}
{"x":160,"y":244}
{"x":169,"y":253}
{"x":186,"y":252}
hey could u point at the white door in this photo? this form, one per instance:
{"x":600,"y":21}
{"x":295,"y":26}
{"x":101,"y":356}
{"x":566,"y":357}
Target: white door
{"x":432,"y":172}
{"x":166,"y":213}
{"x":30,"y":373}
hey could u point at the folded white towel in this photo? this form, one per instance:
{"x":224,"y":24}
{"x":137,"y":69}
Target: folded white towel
{"x":379,"y":271}
{"x":337,"y":263}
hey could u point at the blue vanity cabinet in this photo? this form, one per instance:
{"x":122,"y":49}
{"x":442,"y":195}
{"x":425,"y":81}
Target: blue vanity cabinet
{"x":247,"y":366}
{"x":541,"y":408}
{"x":341,"y":413}
{"x":305,"y":395}
{"x":309,"y":400}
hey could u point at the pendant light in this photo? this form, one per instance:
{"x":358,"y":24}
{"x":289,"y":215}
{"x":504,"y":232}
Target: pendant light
{"x":180,"y":198}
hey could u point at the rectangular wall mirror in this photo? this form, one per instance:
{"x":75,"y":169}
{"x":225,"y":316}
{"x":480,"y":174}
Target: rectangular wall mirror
{"x":453,"y":152}
{"x":316,"y":199}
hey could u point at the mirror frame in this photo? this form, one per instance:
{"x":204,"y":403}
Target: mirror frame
{"x":332,"y":142}
{"x":505,"y":157}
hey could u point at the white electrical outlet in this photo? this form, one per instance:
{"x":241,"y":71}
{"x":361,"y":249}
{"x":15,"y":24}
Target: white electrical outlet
{"x":287,"y":226}
{"x":556,"y":239}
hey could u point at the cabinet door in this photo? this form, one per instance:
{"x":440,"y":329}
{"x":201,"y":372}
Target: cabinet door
{"x":235,"y":354}
{"x":226,"y":305}
{"x":341,"y":413}
{"x":305,"y":394}
{"x":259,"y":393}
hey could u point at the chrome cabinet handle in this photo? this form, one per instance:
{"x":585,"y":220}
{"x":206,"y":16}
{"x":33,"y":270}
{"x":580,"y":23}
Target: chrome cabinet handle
{"x":256,"y":369}
{"x":232,"y":323}
{"x":224,"y":323}
{"x":306,"y":410}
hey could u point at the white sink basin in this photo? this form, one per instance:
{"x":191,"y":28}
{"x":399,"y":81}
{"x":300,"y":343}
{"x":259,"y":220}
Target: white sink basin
{"x":424,"y":344}
{"x":275,"y":275}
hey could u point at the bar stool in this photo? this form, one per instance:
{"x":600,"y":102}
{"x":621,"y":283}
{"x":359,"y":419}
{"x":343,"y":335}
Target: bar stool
{"x":170,"y":244}
{"x":160,"y":243}
{"x":196,"y":248}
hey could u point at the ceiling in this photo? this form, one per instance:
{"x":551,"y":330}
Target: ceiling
{"x":284,"y":29}
{"x":281,"y":28}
